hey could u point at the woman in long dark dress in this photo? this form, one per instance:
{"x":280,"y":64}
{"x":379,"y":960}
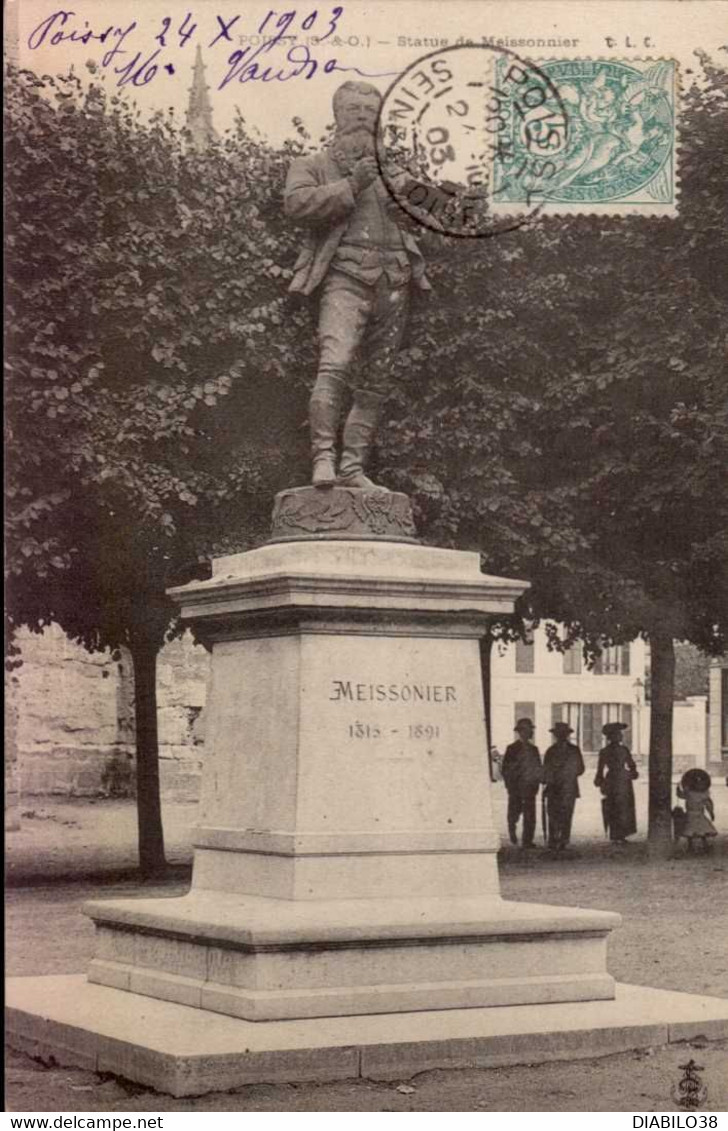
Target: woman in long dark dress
{"x":615,"y":773}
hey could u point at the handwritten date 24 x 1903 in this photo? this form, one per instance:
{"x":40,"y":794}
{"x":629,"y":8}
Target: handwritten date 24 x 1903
{"x":278,"y":57}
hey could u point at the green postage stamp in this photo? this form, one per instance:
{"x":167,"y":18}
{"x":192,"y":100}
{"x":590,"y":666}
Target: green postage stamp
{"x":478,"y":140}
{"x":613,"y":150}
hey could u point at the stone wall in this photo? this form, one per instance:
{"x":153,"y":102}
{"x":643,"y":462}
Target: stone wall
{"x":182,"y":674}
{"x":73,"y":727}
{"x":717,"y":755}
{"x":12,"y":785}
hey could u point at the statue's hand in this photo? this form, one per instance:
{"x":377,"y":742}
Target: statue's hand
{"x":363,"y":173}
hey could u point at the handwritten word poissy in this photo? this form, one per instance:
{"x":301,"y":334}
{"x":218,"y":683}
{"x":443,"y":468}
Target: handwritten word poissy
{"x":60,"y":27}
{"x":278,"y":30}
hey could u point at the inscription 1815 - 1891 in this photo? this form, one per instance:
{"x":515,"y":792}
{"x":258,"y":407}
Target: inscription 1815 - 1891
{"x":352,"y":692}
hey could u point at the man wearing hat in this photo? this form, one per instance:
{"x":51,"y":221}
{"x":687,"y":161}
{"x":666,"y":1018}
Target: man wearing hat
{"x":522,"y":773}
{"x":615,"y":773}
{"x":563,"y":765}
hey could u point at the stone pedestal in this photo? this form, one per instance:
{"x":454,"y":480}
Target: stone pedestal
{"x":345,"y":861}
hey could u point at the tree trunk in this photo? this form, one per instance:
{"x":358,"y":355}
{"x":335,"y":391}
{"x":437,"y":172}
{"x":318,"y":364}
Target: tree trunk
{"x":662,"y":664}
{"x":149,"y":806}
{"x":486,"y":650}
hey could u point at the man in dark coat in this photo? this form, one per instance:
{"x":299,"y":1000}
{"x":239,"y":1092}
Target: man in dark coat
{"x":357,"y":256}
{"x":562,"y":767}
{"x":522,"y":772}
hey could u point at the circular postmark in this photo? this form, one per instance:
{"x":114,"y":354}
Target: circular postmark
{"x":469,"y":138}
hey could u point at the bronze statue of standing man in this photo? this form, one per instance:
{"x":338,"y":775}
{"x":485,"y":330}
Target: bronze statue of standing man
{"x":362,"y":263}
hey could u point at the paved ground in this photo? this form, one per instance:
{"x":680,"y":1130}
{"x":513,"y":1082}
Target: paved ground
{"x":674,"y":937}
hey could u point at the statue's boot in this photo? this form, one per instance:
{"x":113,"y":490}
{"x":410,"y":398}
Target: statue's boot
{"x":359,"y":430}
{"x":324,"y":411}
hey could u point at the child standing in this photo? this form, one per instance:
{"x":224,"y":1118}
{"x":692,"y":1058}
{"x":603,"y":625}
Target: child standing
{"x":694,"y":789}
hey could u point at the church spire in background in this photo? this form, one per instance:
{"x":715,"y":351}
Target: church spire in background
{"x":199,"y":109}
{"x":11,"y":33}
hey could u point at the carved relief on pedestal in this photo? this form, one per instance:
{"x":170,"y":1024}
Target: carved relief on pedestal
{"x":342,"y":512}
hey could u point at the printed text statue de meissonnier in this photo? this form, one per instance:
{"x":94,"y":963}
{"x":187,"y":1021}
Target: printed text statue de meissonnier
{"x":357,"y":255}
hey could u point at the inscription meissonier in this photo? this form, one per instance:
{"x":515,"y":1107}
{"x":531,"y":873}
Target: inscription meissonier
{"x":352,"y":692}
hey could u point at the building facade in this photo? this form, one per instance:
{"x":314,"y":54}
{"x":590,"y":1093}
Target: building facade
{"x":530,"y":681}
{"x":70,"y":715}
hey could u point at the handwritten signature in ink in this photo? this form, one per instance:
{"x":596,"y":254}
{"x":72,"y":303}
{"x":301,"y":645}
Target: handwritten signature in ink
{"x":248,"y":64}
{"x":245,"y":65}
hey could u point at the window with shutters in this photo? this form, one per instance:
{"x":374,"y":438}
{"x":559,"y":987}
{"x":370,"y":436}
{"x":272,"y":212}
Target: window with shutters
{"x":612,"y":712}
{"x":570,"y":713}
{"x":524,"y":711}
{"x":627,"y":718}
{"x":615,"y":713}
{"x":592,"y":724}
{"x":524,"y":657}
{"x":613,"y":661}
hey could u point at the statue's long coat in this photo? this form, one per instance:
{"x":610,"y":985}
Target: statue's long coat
{"x":318,"y":195}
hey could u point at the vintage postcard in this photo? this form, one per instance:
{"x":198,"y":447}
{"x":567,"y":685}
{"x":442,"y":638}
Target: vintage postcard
{"x":440,"y":283}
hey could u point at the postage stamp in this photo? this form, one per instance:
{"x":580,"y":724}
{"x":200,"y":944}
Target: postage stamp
{"x":618,"y":152}
{"x":475,"y":140}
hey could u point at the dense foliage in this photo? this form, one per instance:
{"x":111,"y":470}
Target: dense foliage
{"x":150,"y":391}
{"x":577,"y":422}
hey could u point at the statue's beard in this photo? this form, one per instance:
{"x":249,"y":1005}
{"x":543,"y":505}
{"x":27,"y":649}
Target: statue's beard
{"x":354,"y":142}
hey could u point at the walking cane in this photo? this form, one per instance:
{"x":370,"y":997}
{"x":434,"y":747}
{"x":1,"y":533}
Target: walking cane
{"x":544,"y":818}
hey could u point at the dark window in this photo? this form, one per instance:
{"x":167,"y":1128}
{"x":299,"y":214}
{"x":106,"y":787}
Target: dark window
{"x":524,"y":711}
{"x":568,"y":713}
{"x":592,"y":736}
{"x":524,"y":657}
{"x":618,"y":713}
{"x":613,"y":661}
{"x":572,"y":661}
{"x":627,"y":718}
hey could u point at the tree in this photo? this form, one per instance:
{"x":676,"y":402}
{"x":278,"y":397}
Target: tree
{"x":691,"y":671}
{"x":575,"y":426}
{"x":144,"y":285}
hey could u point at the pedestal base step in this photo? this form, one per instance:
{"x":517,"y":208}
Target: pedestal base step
{"x":268,"y":960}
{"x":188,"y":1052}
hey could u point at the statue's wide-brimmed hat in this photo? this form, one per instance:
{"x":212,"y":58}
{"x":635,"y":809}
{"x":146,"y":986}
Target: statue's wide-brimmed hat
{"x":562,"y":728}
{"x":614,"y":728}
{"x":524,"y":723}
{"x":696,"y":779}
